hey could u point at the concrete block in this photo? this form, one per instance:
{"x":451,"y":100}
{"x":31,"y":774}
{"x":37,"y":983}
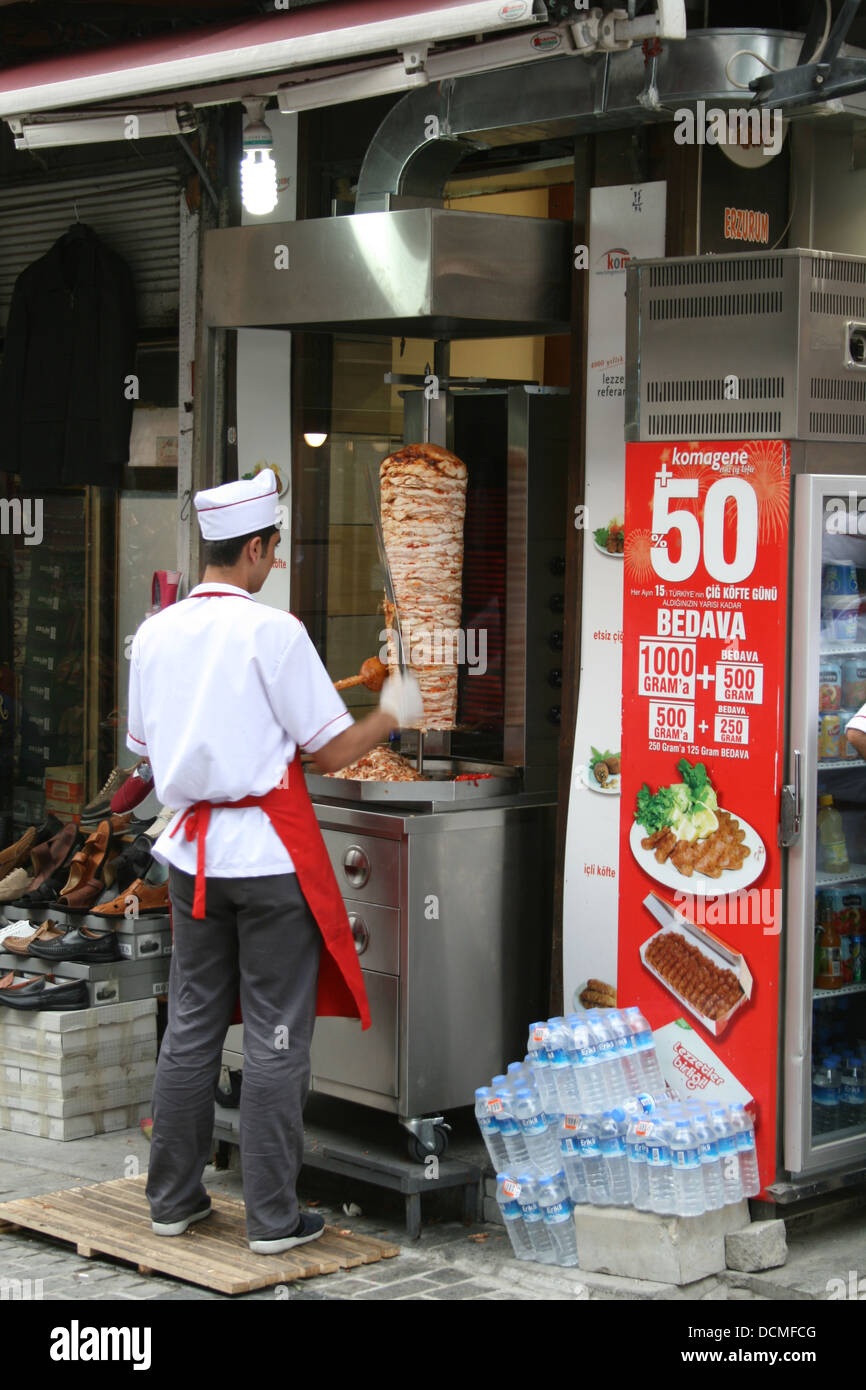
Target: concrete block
{"x":117,"y":1052}
{"x":74,"y":1127}
{"x":76,"y":1093}
{"x":762,"y":1245}
{"x":667,"y":1249}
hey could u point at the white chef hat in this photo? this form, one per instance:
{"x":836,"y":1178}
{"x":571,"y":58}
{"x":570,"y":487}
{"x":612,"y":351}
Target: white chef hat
{"x":238,"y":509}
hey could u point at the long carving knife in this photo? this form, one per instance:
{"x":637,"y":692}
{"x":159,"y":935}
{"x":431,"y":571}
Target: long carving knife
{"x":390,"y":593}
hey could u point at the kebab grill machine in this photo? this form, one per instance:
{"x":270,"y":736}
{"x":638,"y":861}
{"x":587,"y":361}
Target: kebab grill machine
{"x":448,"y":882}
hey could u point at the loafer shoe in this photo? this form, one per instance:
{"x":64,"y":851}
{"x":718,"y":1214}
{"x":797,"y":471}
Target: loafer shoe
{"x":309,"y":1227}
{"x":16,"y":855}
{"x":23,"y":934}
{"x":177,"y":1228}
{"x":42,"y":994}
{"x":79,"y":945}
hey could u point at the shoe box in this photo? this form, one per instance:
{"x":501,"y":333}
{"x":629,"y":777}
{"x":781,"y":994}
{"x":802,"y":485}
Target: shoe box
{"x":110,"y":982}
{"x":28,"y":806}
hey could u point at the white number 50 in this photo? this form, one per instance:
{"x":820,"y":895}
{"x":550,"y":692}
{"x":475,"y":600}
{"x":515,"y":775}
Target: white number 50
{"x":665,"y":520}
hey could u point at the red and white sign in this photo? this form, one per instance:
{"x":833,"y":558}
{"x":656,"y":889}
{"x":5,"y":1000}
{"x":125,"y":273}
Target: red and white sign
{"x":705,"y":573}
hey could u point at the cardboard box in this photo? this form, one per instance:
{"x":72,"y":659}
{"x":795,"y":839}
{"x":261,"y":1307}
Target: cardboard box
{"x":65,"y":786}
{"x":711,"y":947}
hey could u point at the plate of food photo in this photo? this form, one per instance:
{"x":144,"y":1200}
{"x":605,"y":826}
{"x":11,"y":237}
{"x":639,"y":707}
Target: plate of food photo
{"x":683,"y":839}
{"x":602,"y":772}
{"x":610,"y":539}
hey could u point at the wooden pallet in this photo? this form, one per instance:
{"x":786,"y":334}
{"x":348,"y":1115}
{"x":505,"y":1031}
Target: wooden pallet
{"x":113,"y":1218}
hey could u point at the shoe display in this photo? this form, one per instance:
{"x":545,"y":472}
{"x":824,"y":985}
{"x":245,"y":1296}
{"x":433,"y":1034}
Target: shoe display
{"x":100,"y":806}
{"x":43,"y":994}
{"x":136,"y":861}
{"x":16,"y":855}
{"x":23,"y":934}
{"x":79,"y":945}
{"x":84,"y":883}
{"x":309,"y":1227}
{"x":14,"y":884}
{"x":13,"y":981}
{"x":177,"y":1228}
{"x":51,"y":854}
{"x":134,"y":790}
{"x":150,"y":897}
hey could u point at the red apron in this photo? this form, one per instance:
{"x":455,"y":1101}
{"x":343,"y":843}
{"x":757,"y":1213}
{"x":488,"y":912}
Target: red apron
{"x":288,"y":807}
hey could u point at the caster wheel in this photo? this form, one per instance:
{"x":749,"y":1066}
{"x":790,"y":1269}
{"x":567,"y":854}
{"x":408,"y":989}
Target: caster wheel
{"x":417,"y":1151}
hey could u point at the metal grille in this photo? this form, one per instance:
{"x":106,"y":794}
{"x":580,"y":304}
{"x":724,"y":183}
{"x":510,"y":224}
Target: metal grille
{"x":715,"y":271}
{"x":137,"y":214}
{"x":739,"y":424}
{"x":717,"y":306}
{"x":827,"y":423}
{"x":750,"y":388}
{"x":833,"y":389}
{"x":853,"y":272}
{"x":846,"y":305}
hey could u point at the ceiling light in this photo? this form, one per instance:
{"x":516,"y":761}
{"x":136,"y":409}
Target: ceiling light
{"x":96,"y":130}
{"x":315,"y":441}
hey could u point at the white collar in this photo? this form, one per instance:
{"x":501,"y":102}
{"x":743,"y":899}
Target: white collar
{"x":214,"y":587}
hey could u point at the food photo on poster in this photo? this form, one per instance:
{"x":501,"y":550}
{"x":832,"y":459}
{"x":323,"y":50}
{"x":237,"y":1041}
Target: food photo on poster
{"x":705,"y":567}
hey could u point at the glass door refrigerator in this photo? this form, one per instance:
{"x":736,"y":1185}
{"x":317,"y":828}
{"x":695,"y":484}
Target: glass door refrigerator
{"x":825,"y":988}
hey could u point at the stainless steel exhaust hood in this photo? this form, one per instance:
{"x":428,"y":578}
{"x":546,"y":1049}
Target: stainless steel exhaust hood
{"x":422,"y":272}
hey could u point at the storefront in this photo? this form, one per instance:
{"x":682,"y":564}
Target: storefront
{"x":447,"y":266}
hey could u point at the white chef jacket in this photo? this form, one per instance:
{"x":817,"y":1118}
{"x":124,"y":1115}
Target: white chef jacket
{"x":858,"y":721}
{"x":222,"y":692}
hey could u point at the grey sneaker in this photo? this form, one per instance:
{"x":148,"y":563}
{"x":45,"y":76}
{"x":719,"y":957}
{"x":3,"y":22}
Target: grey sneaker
{"x":309,"y":1227}
{"x":177,"y":1228}
{"x":100,"y":807}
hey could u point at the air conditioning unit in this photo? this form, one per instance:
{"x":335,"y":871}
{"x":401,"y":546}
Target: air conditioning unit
{"x":771,"y":344}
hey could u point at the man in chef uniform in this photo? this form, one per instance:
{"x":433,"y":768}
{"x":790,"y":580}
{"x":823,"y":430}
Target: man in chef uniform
{"x":223,"y":694}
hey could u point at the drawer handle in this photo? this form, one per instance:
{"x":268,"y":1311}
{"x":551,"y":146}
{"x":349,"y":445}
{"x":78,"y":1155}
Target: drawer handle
{"x":356,"y":866}
{"x":360,"y":932}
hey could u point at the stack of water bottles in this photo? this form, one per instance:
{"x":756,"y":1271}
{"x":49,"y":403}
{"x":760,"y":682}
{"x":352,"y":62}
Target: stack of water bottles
{"x":585,"y":1118}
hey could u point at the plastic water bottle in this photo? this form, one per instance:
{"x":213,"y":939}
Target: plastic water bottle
{"x":729,"y":1159}
{"x":852,"y":1108}
{"x":490,"y":1131}
{"x":594,"y":1166}
{"x":533,"y":1217}
{"x":686,"y":1168}
{"x":558,"y":1217}
{"x":659,"y":1173}
{"x":826,"y":1096}
{"x":507,"y":1191}
{"x":536,"y":1048}
{"x":611,"y":1140}
{"x":744,"y":1133}
{"x":571,"y":1160}
{"x":542,"y":1147}
{"x":645,"y":1049}
{"x":509,"y":1128}
{"x":590,"y":1077}
{"x":563,"y":1066}
{"x":635,"y":1150}
{"x":710,"y":1167}
{"x":606,"y":1048}
{"x":630,"y":1068}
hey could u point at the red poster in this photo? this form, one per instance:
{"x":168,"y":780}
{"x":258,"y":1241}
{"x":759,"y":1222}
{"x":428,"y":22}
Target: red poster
{"x":703,"y":697}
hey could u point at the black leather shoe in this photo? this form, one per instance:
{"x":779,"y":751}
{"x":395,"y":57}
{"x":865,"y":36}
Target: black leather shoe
{"x":81,"y":945}
{"x":41,"y":994}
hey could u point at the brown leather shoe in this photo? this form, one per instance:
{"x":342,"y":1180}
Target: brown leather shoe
{"x":85,"y":868}
{"x":144,"y":897}
{"x":16,"y":855}
{"x":9,"y":981}
{"x":20,"y":945}
{"x":49,"y":856}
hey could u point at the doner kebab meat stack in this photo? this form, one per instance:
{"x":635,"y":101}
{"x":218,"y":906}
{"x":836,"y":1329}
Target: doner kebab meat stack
{"x":423,"y":489}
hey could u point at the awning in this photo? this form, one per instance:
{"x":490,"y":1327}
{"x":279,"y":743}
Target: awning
{"x":268,"y":43}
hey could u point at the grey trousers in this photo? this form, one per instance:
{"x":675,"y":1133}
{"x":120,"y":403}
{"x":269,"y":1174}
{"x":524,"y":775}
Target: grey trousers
{"x":258,"y":937}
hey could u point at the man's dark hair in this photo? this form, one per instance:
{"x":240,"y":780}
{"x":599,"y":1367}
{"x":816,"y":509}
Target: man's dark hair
{"x":224,"y":554}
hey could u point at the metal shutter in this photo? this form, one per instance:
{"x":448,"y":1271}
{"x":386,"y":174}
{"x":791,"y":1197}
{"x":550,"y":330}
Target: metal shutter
{"x":137,"y":214}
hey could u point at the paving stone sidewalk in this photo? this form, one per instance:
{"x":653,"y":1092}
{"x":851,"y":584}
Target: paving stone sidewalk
{"x":451,"y":1262}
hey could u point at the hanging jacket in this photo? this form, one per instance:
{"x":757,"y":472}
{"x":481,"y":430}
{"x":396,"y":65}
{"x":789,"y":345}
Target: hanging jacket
{"x":70,"y":347}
